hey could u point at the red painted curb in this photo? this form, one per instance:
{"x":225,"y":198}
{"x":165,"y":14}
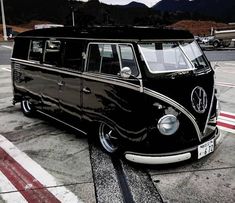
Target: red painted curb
{"x":32,"y":190}
{"x":227,"y":115}
{"x":226,"y":125}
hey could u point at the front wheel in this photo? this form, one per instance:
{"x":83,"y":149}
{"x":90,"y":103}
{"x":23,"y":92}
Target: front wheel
{"x":27,"y":107}
{"x":108,"y":138}
{"x":216,"y":44}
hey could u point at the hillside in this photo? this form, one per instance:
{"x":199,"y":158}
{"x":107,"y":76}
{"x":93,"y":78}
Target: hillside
{"x":201,"y":28}
{"x":217,"y":9}
{"x":93,"y":12}
{"x":19,"y":12}
{"x":164,"y":13}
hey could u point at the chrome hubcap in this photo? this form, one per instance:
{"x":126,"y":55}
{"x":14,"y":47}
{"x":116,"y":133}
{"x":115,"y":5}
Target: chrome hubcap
{"x":108,"y":138}
{"x":26,"y":106}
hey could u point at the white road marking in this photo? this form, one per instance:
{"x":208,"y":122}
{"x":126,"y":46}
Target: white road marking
{"x":225,"y":84}
{"x":230,"y":64}
{"x":227,"y":129}
{"x":230,"y":72}
{"x":226,"y":121}
{"x":61,"y":193}
{"x":8,"y":47}
{"x":5,"y":68}
{"x":6,"y":186}
{"x":232,"y":114}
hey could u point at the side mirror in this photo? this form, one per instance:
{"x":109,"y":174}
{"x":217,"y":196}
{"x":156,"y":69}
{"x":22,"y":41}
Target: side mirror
{"x":125,"y":72}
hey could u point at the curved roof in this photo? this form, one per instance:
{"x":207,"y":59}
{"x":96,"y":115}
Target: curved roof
{"x":110,"y":32}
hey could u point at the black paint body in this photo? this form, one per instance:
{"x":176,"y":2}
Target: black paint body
{"x":80,"y":98}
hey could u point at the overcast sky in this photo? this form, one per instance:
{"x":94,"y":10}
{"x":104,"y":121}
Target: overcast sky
{"x":123,"y":2}
{"x":149,"y":3}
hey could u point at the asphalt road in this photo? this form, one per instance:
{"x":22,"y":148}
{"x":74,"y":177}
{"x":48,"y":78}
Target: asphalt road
{"x":5,"y":53}
{"x":66,"y":163}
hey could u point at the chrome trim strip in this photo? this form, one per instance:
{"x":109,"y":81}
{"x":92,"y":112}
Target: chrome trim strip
{"x":103,"y":39}
{"x":209,"y":112}
{"x":165,"y":40}
{"x":79,"y":38}
{"x":110,"y":80}
{"x":176,"y":105}
{"x":166,"y":158}
{"x":219,"y":138}
{"x":157,"y":160}
{"x":47,"y":67}
{"x":81,"y":131}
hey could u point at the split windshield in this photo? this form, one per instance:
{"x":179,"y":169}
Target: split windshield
{"x":172,"y":56}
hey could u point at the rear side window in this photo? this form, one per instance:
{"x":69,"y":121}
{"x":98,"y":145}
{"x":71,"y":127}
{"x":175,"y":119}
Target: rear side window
{"x":103,"y":58}
{"x":36,"y":50}
{"x":53,"y":53}
{"x":94,"y":61}
{"x":21,"y":49}
{"x":73,"y":55}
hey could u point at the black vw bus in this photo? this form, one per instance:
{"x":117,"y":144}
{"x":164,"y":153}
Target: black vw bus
{"x":148,"y":93}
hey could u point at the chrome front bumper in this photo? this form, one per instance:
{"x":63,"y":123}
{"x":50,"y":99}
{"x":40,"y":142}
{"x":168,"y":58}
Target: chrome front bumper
{"x":173,"y":158}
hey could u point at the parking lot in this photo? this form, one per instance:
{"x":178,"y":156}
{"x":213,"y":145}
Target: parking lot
{"x":43,"y":161}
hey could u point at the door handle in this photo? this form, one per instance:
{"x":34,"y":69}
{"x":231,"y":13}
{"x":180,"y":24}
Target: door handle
{"x":86,"y":90}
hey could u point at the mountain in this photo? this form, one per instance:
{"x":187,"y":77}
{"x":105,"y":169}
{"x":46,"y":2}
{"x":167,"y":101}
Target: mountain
{"x":21,"y":11}
{"x":218,"y":9}
{"x":135,"y":4}
{"x":164,"y":13}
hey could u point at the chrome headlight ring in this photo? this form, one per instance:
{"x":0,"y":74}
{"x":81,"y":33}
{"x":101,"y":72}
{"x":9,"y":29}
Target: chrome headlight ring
{"x":168,"y":124}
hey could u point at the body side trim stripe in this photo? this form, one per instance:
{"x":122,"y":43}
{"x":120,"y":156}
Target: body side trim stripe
{"x":176,"y":105}
{"x":41,"y":112}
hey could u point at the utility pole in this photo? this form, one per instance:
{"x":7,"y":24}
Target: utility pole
{"x":72,"y":5}
{"x":3,"y":22}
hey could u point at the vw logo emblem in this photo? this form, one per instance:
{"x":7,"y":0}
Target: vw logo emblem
{"x":199,"y":99}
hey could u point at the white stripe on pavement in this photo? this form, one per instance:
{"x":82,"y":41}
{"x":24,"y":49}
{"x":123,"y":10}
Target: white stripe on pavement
{"x":6,"y":69}
{"x":6,"y":186}
{"x":230,"y":64}
{"x":5,"y":66}
{"x":61,"y":193}
{"x":226,"y":121}
{"x":233,"y":114}
{"x":8,"y":47}
{"x":226,"y":129}
{"x":230,"y":121}
{"x":225,"y":84}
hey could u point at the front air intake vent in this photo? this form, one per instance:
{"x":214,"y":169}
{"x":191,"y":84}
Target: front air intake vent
{"x":16,"y":72}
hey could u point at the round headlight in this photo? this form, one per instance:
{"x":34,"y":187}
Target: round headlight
{"x":168,"y":125}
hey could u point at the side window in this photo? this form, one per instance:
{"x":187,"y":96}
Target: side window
{"x":53,"y":53}
{"x":73,"y":55}
{"x":94,"y":57}
{"x":103,"y":58}
{"x":21,"y":48}
{"x":110,"y":60}
{"x":36,"y":50}
{"x":128,"y":59}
